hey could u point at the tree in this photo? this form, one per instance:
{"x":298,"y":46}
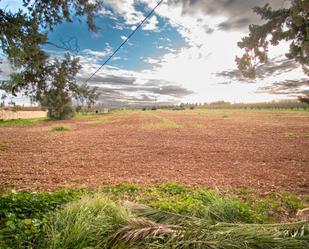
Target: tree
{"x":285,"y":24}
{"x":304,"y":99}
{"x":61,"y":84}
{"x":87,"y":96}
{"x":22,"y":36}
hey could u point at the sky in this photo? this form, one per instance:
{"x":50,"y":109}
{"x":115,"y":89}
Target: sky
{"x":184,"y":53}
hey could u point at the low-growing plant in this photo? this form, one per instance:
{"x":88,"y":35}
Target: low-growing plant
{"x":61,"y":128}
{"x":23,"y":214}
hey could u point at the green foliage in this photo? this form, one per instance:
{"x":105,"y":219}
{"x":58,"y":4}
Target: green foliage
{"x":57,"y":96}
{"x":22,"y":36}
{"x":98,"y":222}
{"x":61,"y":128}
{"x":22,"y":215}
{"x":86,"y":223}
{"x":289,"y":24}
{"x":207,"y":204}
{"x":170,"y":215}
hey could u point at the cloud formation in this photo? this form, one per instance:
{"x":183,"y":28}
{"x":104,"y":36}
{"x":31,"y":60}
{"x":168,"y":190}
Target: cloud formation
{"x":238,"y":13}
{"x":121,"y":87}
{"x":287,"y":87}
{"x":276,"y":66}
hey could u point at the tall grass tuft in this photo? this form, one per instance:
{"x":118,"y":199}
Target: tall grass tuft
{"x":86,"y":223}
{"x":97,"y":222}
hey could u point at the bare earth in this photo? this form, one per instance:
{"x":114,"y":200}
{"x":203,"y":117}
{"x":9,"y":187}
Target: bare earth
{"x":264,"y":150}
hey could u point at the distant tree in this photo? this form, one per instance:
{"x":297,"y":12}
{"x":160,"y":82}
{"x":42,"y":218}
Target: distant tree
{"x":304,"y":99}
{"x":87,"y":96}
{"x":285,"y":24}
{"x":22,"y":35}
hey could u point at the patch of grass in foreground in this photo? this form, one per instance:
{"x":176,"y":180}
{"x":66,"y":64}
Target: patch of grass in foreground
{"x":61,"y":128}
{"x":99,"y":222}
{"x":173,"y":215}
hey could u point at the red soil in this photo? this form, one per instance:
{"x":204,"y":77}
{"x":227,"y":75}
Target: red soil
{"x":253,"y":149}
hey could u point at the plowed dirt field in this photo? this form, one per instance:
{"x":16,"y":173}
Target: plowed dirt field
{"x":264,"y":150}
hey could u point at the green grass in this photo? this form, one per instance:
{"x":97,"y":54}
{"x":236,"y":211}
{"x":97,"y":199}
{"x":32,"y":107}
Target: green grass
{"x":23,"y":122}
{"x":86,"y":223}
{"x":104,"y":218}
{"x":242,"y":206}
{"x":98,"y":222}
{"x":17,"y":122}
{"x":61,"y":128}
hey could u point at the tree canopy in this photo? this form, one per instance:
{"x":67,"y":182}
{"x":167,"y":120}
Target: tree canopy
{"x":22,"y":36}
{"x":285,"y":24}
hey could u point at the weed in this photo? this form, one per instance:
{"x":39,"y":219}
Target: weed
{"x":225,"y":116}
{"x":61,"y":128}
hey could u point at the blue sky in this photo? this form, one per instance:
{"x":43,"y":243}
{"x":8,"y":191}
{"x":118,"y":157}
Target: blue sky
{"x":184,"y":53}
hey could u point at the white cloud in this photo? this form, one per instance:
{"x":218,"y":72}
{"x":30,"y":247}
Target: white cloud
{"x":126,"y":9}
{"x":151,"y":61}
{"x":151,"y":24}
{"x":132,"y":17}
{"x":95,"y":55}
{"x":123,"y":37}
